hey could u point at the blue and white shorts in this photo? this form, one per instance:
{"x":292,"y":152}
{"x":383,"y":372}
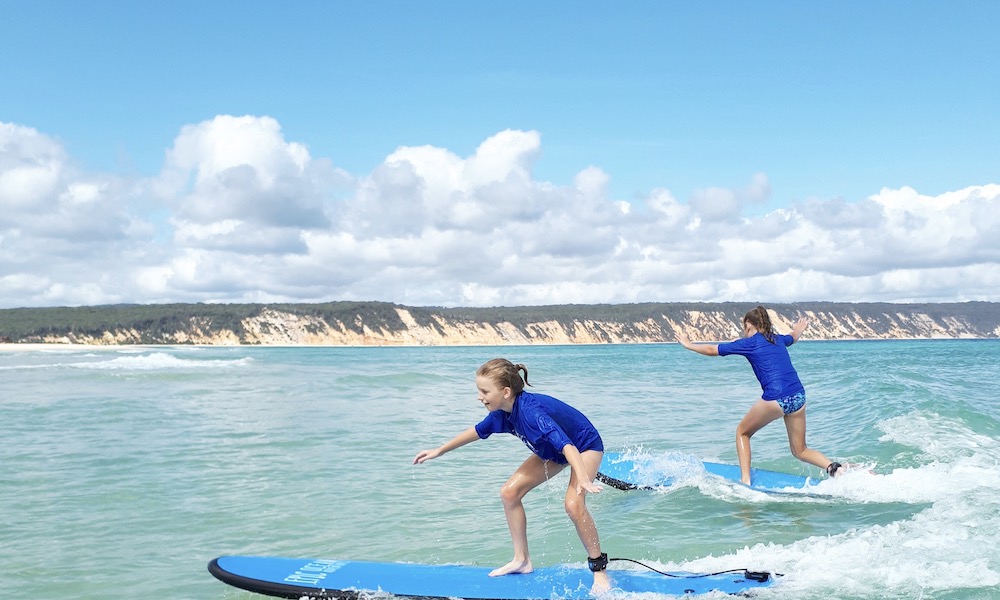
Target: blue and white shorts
{"x":790,"y":404}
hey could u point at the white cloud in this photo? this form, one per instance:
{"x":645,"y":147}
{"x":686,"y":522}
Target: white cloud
{"x":31,"y":166}
{"x":718,"y":204}
{"x":239,"y":213}
{"x":418,"y":187}
{"x":241,"y":168}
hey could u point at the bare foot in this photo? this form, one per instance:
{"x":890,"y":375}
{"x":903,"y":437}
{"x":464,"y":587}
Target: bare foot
{"x":602,"y":583}
{"x":853,"y":468}
{"x":514,"y":566}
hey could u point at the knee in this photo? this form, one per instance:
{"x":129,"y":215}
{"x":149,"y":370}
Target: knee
{"x":509,"y":495}
{"x":797,"y":450}
{"x":575,"y":508}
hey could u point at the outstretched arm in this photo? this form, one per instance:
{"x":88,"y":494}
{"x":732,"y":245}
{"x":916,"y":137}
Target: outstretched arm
{"x":706,"y":349}
{"x":466,"y":437}
{"x":798,"y":328}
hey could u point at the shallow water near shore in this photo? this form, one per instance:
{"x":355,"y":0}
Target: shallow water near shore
{"x":124,"y":470}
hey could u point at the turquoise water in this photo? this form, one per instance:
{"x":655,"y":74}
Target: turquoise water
{"x":123,"y":471}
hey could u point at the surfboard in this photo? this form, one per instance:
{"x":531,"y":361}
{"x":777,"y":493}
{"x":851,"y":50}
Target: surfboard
{"x":629,"y":474}
{"x":347,"y":579}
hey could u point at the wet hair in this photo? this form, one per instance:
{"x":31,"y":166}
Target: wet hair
{"x":759,"y":318}
{"x":505,"y":374}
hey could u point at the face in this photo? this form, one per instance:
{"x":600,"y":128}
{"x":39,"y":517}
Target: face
{"x":492,"y":396}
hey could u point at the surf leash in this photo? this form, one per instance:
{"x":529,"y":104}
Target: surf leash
{"x":751,"y":575}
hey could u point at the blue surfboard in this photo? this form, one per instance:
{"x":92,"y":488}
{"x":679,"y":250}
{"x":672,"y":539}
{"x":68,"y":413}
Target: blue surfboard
{"x":347,"y":579}
{"x":629,"y":474}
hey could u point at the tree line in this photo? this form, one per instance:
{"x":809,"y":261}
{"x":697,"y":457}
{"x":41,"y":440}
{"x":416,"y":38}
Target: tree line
{"x":157,"y":322}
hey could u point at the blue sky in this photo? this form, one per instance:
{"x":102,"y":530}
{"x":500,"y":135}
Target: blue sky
{"x":717,"y":119}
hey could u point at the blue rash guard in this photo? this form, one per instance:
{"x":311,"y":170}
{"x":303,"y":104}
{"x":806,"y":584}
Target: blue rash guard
{"x":770,"y":363}
{"x":545,"y":424}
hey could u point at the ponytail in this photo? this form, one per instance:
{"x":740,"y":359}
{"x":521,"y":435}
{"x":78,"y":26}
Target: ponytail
{"x":759,"y":318}
{"x":505,"y":374}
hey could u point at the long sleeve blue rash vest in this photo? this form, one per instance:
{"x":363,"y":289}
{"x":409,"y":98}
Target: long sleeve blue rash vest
{"x":545,"y":424}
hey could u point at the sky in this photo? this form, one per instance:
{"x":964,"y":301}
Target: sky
{"x":443,"y":153}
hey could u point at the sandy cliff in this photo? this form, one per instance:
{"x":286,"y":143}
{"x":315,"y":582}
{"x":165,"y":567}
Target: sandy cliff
{"x":565,"y":325}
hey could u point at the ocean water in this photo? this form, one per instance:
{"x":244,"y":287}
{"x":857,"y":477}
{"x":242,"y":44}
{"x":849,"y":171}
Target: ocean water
{"x":123,"y":471}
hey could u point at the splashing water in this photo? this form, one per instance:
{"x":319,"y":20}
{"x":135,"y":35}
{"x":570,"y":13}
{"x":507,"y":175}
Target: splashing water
{"x":951,"y":544}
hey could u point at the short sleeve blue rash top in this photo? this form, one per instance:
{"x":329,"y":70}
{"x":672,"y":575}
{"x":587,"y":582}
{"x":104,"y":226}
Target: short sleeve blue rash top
{"x":771,"y":363}
{"x":545,"y":424}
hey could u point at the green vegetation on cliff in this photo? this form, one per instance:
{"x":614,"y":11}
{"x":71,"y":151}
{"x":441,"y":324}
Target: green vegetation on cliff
{"x":156,"y":322}
{"x":167,"y":323}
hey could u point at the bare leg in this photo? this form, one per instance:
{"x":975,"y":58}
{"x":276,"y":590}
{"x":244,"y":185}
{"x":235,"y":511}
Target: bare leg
{"x":795,"y":424}
{"x":759,"y":415}
{"x":576,"y":508}
{"x":532,"y":472}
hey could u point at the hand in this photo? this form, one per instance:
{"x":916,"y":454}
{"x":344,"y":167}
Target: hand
{"x":589,"y":486}
{"x":682,"y":339}
{"x":426,"y":455}
{"x":799,"y":327}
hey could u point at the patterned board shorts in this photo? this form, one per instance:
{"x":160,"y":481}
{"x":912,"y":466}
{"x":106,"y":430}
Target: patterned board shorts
{"x":790,"y":404}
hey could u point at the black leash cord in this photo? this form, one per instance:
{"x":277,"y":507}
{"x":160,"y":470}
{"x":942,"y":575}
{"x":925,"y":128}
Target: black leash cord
{"x":753,"y":575}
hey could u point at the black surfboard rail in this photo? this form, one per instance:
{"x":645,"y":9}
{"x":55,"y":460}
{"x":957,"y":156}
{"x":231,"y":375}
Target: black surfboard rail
{"x":268,"y":588}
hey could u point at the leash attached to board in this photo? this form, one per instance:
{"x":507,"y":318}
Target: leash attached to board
{"x":760,"y":576}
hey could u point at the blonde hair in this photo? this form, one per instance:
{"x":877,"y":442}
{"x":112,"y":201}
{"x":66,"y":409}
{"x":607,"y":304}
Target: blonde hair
{"x":505,"y":374}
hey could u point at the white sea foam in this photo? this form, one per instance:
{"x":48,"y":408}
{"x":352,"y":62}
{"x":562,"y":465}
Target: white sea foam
{"x":652,"y":469}
{"x":948,"y":545}
{"x":956,"y":462}
{"x":160,"y":361}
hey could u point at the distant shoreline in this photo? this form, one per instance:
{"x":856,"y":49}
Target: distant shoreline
{"x":51,"y":346}
{"x":377,"y":324}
